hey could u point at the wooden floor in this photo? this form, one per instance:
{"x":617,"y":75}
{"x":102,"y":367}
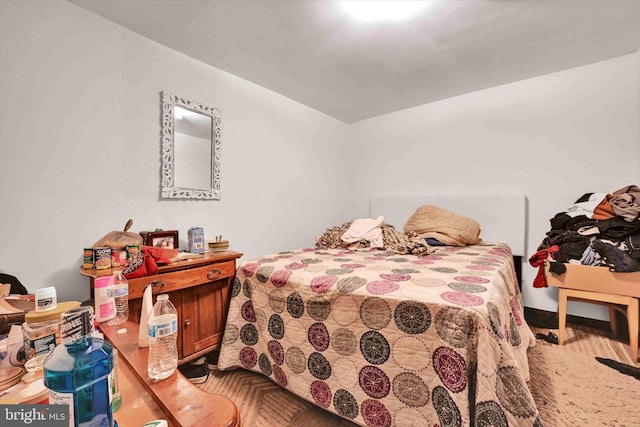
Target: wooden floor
{"x":560,"y":375}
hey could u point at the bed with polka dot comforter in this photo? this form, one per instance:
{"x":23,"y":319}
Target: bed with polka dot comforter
{"x":384,"y":339}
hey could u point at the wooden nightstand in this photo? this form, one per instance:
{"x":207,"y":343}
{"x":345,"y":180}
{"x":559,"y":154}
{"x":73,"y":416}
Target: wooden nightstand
{"x":597,"y":285}
{"x":199,"y":288}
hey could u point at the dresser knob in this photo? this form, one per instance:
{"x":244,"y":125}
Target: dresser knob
{"x":213,"y":274}
{"x":187,"y":323}
{"x":157,"y":284}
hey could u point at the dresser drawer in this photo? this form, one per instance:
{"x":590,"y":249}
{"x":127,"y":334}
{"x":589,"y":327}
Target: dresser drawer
{"x":176,"y":280}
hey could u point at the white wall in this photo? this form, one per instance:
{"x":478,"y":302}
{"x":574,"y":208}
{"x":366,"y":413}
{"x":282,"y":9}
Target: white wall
{"x":638,"y":114}
{"x":80,"y":148}
{"x":550,"y":138}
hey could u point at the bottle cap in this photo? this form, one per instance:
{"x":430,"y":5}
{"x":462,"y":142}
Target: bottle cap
{"x":76,"y":324}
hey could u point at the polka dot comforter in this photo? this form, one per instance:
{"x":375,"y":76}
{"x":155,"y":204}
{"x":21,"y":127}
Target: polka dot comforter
{"x":384,"y":339}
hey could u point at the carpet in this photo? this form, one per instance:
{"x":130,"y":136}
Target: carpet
{"x":569,"y":386}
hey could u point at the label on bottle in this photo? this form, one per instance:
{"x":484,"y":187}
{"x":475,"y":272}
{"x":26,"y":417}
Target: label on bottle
{"x":58,"y":398}
{"x":168,"y":324}
{"x":44,"y":304}
{"x":112,"y":384}
{"x":38,"y":346}
{"x":105,"y":303}
{"x":76,"y":324}
{"x":120,"y":291}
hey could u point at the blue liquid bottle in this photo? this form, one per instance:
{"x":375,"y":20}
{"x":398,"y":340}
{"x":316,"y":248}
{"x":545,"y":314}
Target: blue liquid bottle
{"x":77,"y":373}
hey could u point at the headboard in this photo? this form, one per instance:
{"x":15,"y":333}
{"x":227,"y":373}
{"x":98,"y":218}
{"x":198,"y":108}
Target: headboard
{"x":501,"y":218}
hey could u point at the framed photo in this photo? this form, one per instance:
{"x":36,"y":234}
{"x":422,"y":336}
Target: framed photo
{"x":161,"y":239}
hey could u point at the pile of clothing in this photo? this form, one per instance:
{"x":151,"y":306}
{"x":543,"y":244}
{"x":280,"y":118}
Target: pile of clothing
{"x":428,"y":226}
{"x":599,"y":229}
{"x":368,"y":233}
{"x":146,"y":262}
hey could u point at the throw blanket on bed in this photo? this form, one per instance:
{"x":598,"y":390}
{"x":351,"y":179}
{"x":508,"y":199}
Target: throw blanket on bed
{"x":388,"y":340}
{"x":392,"y":240}
{"x":447,"y":227}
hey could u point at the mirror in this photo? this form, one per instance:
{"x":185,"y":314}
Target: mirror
{"x":190,"y":149}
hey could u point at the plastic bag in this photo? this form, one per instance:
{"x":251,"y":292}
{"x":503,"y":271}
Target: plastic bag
{"x":120,"y":239}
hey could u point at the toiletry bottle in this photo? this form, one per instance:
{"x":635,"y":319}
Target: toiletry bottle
{"x":105,"y":304}
{"x":77,"y":373}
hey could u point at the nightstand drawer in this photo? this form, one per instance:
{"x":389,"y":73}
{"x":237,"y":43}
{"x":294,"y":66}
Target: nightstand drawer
{"x":176,"y":280}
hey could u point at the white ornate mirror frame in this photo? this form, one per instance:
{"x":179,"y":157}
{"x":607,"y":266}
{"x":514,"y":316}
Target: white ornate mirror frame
{"x":168,"y":188}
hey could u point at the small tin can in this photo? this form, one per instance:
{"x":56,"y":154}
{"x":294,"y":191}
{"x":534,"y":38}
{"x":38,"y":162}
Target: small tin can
{"x":102,"y":258}
{"x":88,"y":258}
{"x":118,"y":257}
{"x":132,"y":250}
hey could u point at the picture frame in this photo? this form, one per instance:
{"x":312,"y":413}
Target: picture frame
{"x":161,"y":238}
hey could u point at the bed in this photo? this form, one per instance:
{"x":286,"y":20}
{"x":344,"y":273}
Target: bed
{"x":384,"y":339}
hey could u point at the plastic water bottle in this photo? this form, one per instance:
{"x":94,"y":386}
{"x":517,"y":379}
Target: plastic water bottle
{"x":163,"y":332}
{"x":77,"y":373}
{"x":121,"y":296}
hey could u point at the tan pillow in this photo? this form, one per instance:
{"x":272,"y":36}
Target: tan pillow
{"x":449,"y":228}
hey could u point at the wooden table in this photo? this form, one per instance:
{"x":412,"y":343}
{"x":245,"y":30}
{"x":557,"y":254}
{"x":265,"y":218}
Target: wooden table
{"x":175,"y":399}
{"x":597,"y":285}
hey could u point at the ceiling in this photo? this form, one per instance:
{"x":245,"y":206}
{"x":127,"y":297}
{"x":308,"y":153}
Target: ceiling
{"x":312,"y":52}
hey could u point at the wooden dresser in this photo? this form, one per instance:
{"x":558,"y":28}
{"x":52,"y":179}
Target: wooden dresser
{"x":199,"y":288}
